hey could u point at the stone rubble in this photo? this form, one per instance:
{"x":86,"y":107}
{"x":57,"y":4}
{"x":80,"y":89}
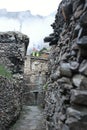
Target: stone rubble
{"x":66,"y":95}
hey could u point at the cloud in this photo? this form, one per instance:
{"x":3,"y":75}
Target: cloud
{"x":41,"y":7}
{"x":35,"y":26}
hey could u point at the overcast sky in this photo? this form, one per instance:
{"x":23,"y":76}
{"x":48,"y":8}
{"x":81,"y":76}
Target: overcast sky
{"x":36,"y":28}
{"x":41,"y":7}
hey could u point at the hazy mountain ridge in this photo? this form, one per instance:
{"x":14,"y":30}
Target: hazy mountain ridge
{"x":18,"y":15}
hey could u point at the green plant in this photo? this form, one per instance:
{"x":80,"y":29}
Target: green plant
{"x":45,"y":87}
{"x":5,"y":72}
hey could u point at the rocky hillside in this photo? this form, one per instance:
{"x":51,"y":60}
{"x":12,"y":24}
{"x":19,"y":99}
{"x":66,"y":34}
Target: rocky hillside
{"x":66,"y":96}
{"x":13,"y":47}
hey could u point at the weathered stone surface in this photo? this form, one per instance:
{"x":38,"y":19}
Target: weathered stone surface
{"x":78,"y":14}
{"x":65,"y":70}
{"x":82,"y":42}
{"x":10,"y":105}
{"x":13,"y":52}
{"x":65,"y":127}
{"x":83,"y":67}
{"x":69,"y":54}
{"x":80,"y":82}
{"x":67,"y":11}
{"x":48,"y":39}
{"x":79,"y":97}
{"x":76,"y":30}
{"x":75,"y":5}
{"x":77,"y":79}
{"x":83,"y":20}
{"x":74,"y":65}
{"x":73,"y":115}
{"x":13,"y":47}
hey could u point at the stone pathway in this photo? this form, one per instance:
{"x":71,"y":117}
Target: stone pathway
{"x":31,"y":118}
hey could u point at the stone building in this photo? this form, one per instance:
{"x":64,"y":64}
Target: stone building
{"x":36,"y":71}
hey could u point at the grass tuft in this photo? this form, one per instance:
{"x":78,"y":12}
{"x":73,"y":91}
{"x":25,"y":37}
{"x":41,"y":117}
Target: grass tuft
{"x":5,"y":72}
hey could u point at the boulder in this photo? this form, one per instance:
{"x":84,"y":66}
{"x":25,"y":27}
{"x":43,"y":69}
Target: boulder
{"x":74,"y":65}
{"x":80,"y":82}
{"x":48,"y":39}
{"x":82,"y":42}
{"x":79,"y":97}
{"x":75,"y":118}
{"x":83,"y":67}
{"x":65,"y":70}
{"x":83,"y":20}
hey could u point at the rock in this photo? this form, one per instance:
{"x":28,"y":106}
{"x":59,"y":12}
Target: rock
{"x":82,"y":42}
{"x":65,"y":57}
{"x":78,"y":14}
{"x":67,"y":11}
{"x":80,"y":82}
{"x":48,"y":39}
{"x":83,"y":20}
{"x":74,"y":47}
{"x":75,"y":5}
{"x":65,"y":127}
{"x":64,"y":80}
{"x":76,"y":30}
{"x":83,"y":67}
{"x":77,"y":79}
{"x":75,"y":119}
{"x":68,"y":86}
{"x":65,"y":70}
{"x":79,"y":97}
{"x":74,"y":65}
{"x":54,"y":41}
{"x":65,"y":83}
{"x":80,"y":7}
{"x":55,"y":76}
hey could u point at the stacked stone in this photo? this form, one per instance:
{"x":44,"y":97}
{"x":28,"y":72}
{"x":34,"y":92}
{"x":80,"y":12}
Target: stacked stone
{"x":13,"y":47}
{"x":10,"y":105}
{"x":66,"y":96}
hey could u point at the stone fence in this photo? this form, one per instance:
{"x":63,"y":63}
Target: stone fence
{"x":13,"y":48}
{"x":66,"y":95}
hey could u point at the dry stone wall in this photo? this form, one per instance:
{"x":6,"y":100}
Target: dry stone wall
{"x":66,"y":95}
{"x":13,"y":47}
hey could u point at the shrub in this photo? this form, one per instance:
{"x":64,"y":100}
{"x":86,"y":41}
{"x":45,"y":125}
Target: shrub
{"x":5,"y":72}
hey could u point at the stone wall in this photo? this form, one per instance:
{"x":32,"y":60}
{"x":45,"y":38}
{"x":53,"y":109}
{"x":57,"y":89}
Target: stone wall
{"x":66,"y":95}
{"x":35,"y":72}
{"x":13,"y":47}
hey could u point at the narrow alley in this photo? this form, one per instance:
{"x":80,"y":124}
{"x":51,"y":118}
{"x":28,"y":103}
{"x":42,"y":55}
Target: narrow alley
{"x":31,"y":118}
